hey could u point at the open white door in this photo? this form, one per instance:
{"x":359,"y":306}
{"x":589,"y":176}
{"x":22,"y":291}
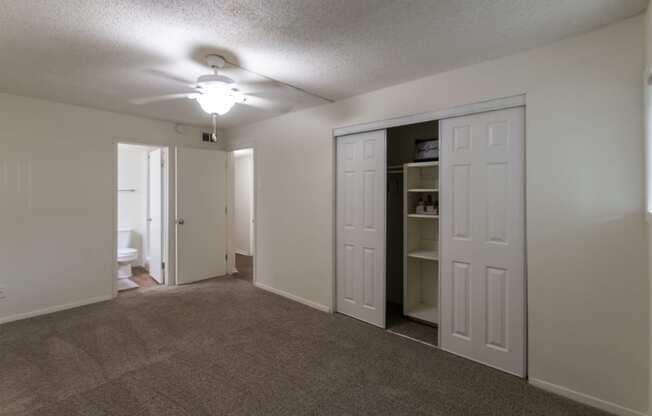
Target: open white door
{"x":482,"y":238}
{"x":361,"y":200}
{"x":201,"y":214}
{"x":155,"y":214}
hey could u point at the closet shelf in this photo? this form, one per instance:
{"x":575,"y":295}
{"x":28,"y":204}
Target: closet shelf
{"x":421,"y":164}
{"x":424,"y":255}
{"x":423,"y":190}
{"x":424,"y":312}
{"x":423,"y":216}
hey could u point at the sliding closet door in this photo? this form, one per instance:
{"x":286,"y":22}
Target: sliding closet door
{"x":483,"y":248}
{"x":361,"y":198}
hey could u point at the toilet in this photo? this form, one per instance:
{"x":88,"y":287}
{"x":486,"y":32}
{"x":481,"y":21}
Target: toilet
{"x":126,"y":255}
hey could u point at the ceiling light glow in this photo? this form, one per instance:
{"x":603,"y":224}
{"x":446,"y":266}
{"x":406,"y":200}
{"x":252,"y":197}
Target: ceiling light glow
{"x":214,"y":102}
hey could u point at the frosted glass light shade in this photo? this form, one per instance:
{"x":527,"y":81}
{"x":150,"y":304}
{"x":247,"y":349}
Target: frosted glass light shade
{"x":216,"y":103}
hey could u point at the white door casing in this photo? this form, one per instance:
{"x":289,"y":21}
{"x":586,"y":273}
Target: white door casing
{"x":155,"y":214}
{"x":483,"y":238}
{"x":361,"y":204}
{"x":201,"y":214}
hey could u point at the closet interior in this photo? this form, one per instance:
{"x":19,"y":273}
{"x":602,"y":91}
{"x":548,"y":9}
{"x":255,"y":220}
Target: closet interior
{"x":412,"y":259}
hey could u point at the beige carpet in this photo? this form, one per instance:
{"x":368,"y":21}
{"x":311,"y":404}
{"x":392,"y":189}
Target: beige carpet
{"x":223,"y":347}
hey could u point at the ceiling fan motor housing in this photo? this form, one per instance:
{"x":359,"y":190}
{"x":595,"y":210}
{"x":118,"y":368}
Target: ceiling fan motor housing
{"x":213,"y":81}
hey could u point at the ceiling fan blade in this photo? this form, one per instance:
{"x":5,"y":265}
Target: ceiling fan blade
{"x":156,"y":98}
{"x":257,"y":86}
{"x":264,"y":104}
{"x":170,"y":77}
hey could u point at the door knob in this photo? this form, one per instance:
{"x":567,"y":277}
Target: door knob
{"x":180,"y":221}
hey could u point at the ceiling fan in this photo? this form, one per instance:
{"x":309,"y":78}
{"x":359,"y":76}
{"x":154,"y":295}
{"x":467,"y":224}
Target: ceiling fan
{"x":216,"y":94}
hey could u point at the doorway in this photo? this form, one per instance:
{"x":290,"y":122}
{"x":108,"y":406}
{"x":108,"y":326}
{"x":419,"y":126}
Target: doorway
{"x":412,"y":237}
{"x":242,"y":207}
{"x":141,"y":249}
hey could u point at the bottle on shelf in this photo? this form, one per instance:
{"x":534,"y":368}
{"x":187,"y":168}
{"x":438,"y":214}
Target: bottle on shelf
{"x":421,"y":208}
{"x":431,"y":208}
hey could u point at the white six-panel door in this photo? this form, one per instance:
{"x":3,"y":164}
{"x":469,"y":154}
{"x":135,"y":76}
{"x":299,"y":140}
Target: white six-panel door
{"x":361,"y":200}
{"x":201,"y":214}
{"x":482,"y":238}
{"x":155,"y":214}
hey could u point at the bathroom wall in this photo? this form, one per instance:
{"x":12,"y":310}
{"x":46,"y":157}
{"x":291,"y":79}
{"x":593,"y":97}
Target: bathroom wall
{"x":132,"y":206}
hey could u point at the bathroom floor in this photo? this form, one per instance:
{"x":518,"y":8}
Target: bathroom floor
{"x":142,"y":278}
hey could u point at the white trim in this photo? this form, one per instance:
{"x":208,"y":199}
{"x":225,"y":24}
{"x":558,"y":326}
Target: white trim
{"x":232,"y":250}
{"x":295,"y":298}
{"x":461,"y":110}
{"x":230,"y":217}
{"x":57,"y":308}
{"x":411,"y":339}
{"x":585,"y":398}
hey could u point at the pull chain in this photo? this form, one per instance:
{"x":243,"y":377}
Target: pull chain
{"x":214,"y":135}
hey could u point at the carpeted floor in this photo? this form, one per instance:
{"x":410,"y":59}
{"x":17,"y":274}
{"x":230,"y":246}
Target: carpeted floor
{"x":223,"y":347}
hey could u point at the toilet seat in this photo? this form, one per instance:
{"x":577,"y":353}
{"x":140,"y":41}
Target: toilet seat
{"x":127,"y":254}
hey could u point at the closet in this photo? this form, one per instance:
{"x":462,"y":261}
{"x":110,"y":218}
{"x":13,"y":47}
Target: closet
{"x":430,"y":231}
{"x":412,"y":231}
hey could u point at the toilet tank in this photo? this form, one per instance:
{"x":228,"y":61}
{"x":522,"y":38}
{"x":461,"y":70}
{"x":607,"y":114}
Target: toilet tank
{"x":124,"y":237}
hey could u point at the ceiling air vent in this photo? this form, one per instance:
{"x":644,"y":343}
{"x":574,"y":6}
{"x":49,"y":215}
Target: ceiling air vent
{"x":207,"y":137}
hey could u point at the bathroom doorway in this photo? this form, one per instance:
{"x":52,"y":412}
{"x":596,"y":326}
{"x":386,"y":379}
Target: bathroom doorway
{"x":141,"y":243}
{"x":242,"y":209}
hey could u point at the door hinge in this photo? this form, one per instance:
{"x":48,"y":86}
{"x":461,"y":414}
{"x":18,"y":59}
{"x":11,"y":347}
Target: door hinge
{"x":226,"y":257}
{"x":226,"y":209}
{"x":162,"y":265}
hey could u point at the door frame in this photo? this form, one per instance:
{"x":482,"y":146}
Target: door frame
{"x":231,"y":245}
{"x":167,"y":203}
{"x":502,"y":103}
{"x":230,"y":218}
{"x":164,"y":194}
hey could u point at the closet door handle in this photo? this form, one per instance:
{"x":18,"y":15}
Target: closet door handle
{"x":180,"y":221}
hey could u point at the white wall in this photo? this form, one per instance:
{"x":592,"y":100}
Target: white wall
{"x":586,"y":236}
{"x":132,"y":206}
{"x":243,"y":200}
{"x":57,"y":207}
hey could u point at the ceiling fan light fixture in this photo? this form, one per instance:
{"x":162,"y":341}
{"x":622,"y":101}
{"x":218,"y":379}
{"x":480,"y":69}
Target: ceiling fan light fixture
{"x":216,"y":103}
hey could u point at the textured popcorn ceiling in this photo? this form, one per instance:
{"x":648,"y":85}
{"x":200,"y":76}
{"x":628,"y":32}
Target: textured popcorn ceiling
{"x":102,"y":53}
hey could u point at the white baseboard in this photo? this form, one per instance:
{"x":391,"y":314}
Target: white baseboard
{"x":52,"y":309}
{"x":610,"y":407}
{"x":295,"y":298}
